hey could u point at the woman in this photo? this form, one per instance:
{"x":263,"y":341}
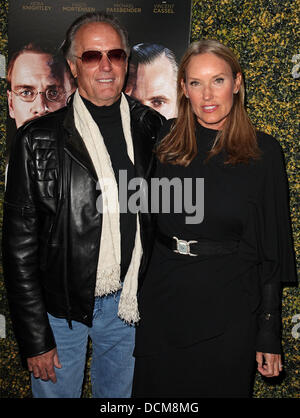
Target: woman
{"x":208,"y":310}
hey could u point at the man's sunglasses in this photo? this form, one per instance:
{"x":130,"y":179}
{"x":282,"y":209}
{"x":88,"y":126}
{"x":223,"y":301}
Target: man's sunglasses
{"x":93,"y":58}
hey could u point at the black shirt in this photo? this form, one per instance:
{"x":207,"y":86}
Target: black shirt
{"x":108,"y":119}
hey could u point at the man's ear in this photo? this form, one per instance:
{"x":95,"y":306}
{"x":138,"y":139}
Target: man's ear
{"x":73,"y":68}
{"x":10,"y":104}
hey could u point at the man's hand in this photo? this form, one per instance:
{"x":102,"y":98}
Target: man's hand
{"x":269,"y":365}
{"x":42,"y":366}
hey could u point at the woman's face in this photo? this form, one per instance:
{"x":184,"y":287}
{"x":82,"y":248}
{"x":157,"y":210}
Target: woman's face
{"x":210,"y":87}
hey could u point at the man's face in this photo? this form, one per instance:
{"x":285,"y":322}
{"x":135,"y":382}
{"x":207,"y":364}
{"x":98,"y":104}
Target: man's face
{"x":156,"y":86}
{"x":101,"y":83}
{"x":32,"y":73}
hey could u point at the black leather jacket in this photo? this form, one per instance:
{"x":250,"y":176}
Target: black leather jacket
{"x":51,"y":226}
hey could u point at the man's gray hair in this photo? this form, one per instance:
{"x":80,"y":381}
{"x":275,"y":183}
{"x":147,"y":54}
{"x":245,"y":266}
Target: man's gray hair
{"x":68,"y":47}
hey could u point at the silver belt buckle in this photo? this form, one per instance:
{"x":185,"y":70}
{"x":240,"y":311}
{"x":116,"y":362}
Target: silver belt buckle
{"x":183,"y":247}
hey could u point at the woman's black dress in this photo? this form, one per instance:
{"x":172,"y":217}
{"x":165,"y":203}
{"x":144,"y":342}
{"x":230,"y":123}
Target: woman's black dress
{"x":198,"y":333}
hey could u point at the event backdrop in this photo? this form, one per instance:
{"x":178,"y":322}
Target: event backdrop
{"x":263,"y":34}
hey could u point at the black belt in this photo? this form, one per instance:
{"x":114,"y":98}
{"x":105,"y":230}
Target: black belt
{"x":200,"y":247}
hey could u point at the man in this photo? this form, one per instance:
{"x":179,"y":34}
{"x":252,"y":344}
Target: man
{"x":152,"y":78}
{"x":38,"y":83}
{"x":71,"y":269}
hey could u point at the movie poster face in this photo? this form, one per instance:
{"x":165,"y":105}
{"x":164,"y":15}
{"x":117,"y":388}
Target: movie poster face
{"x":39,"y":79}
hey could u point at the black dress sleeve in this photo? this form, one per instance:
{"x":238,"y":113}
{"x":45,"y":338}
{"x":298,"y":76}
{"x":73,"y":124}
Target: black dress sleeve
{"x":275,"y":244}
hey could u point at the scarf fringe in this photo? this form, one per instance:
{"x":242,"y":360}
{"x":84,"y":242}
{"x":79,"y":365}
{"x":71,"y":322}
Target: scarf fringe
{"x":128,"y":309}
{"x":108,"y":281}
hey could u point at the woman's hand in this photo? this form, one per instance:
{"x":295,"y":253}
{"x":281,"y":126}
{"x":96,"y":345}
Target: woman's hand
{"x":269,"y":365}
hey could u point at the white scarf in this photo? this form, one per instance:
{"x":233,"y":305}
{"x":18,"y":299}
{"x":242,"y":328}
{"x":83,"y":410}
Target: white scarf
{"x":108,"y":271}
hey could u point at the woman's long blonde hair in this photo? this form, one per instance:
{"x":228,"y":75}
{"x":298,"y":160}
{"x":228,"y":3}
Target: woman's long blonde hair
{"x":237,"y":137}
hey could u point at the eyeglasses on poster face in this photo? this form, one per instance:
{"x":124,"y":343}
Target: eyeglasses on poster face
{"x":53,"y":94}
